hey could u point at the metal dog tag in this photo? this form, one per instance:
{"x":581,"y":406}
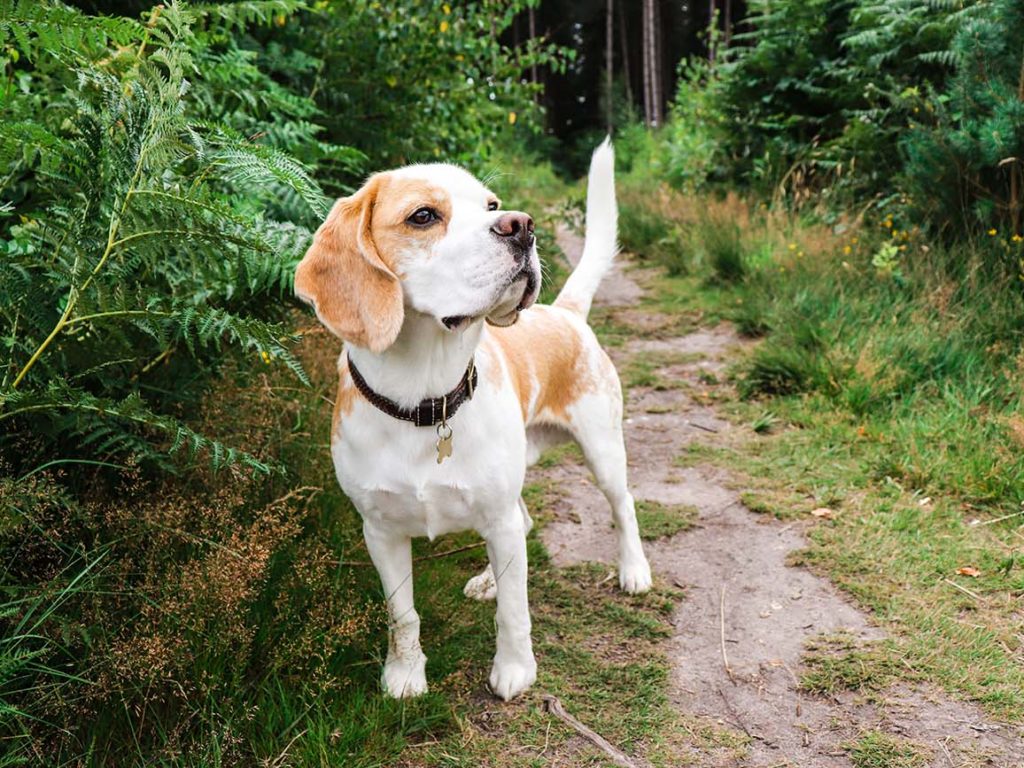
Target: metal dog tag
{"x":444,"y":442}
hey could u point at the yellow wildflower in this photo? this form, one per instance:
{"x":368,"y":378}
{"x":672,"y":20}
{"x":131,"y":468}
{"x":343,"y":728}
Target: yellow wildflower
{"x":443,"y":27}
{"x":992,"y":233}
{"x":446,"y":8}
{"x":792,"y":246}
{"x":265,"y":356}
{"x":511,"y":118}
{"x":854,"y":241}
{"x":1017,"y":239}
{"x":846,"y":250}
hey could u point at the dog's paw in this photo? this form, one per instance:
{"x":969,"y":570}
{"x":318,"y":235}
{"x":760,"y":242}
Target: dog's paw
{"x":510,"y":678}
{"x":482,"y":586}
{"x":635,"y":578}
{"x":405,"y":678}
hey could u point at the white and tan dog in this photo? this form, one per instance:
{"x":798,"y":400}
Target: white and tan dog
{"x":406,"y":271}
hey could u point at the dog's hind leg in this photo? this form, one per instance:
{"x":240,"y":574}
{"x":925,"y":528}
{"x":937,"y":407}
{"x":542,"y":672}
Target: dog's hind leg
{"x":598,"y":430}
{"x":404,"y":670}
{"x":483,"y":586}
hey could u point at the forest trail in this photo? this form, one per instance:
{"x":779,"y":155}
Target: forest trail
{"x":745,"y":620}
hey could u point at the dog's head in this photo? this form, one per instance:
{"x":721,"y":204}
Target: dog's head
{"x":428,"y":237}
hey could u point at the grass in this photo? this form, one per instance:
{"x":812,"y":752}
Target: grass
{"x":895,"y":403}
{"x":659,"y":521}
{"x":834,"y":663}
{"x":879,"y":750}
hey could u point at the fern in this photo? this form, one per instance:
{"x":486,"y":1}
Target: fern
{"x":150,"y":233}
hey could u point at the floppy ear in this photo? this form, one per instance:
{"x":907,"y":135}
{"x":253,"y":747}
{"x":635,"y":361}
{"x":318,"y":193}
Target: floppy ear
{"x":355,"y":294}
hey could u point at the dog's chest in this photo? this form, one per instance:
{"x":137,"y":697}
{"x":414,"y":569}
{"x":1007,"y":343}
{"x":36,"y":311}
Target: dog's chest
{"x":390,"y":470}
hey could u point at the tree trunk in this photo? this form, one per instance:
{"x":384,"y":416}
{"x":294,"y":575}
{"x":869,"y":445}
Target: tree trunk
{"x":656,"y":67}
{"x":711,"y":26}
{"x":624,"y":40}
{"x":533,"y":34}
{"x":646,"y":58}
{"x":609,"y":64}
{"x":652,"y":64}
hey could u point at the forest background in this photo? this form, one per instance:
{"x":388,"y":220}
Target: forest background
{"x":180,"y":576}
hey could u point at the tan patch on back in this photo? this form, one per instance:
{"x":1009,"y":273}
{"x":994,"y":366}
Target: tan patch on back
{"x":545,"y":348}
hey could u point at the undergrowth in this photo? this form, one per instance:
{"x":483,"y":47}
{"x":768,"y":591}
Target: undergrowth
{"x":882,"y":388}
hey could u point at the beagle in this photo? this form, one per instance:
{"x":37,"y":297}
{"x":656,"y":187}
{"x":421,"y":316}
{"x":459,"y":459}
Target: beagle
{"x":452,"y":382}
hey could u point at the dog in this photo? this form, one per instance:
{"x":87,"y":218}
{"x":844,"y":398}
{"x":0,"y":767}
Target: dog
{"x":452,"y":381}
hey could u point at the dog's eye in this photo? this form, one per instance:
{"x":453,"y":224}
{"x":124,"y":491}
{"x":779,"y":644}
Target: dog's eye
{"x":493,"y":205}
{"x":423,"y":217}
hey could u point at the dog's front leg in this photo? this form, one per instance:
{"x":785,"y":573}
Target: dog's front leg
{"x":404,"y":670}
{"x":514,"y":667}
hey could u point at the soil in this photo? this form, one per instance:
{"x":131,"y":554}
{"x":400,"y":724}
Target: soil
{"x":741,"y":629}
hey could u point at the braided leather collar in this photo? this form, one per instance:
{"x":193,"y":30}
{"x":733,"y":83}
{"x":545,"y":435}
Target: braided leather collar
{"x":430,"y":412}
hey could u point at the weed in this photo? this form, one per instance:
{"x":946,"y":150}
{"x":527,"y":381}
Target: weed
{"x":764,"y":422}
{"x":724,"y":249}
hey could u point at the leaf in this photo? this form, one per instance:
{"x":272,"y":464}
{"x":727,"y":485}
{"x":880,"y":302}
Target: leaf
{"x":968,"y":570}
{"x":824,"y":513}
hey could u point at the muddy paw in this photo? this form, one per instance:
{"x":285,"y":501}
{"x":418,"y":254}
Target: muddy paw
{"x":482,"y":586}
{"x":635,"y":578}
{"x":404,"y":678}
{"x":509,"y":679}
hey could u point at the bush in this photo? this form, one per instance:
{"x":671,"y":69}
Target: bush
{"x":137,"y":247}
{"x":964,"y":167}
{"x":693,"y":139}
{"x":411,"y":82}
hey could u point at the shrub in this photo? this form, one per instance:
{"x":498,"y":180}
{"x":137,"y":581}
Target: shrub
{"x":137,"y":247}
{"x":692,"y":141}
{"x":412,"y":82}
{"x":964,"y":169}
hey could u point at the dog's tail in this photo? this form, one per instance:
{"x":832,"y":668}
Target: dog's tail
{"x":601,"y":242}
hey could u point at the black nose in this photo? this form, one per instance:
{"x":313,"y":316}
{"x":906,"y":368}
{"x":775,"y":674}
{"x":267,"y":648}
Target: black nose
{"x":516,"y":227}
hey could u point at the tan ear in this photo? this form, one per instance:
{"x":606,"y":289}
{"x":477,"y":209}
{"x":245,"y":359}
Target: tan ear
{"x":355,"y":294}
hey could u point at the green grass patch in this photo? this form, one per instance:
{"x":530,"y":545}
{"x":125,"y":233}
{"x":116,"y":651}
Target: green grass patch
{"x":875,"y":749}
{"x":840,"y":662}
{"x":659,"y":521}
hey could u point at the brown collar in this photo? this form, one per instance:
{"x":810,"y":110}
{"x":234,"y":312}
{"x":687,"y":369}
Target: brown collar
{"x":430,"y":412}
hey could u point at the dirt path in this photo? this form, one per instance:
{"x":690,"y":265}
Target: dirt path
{"x":743,"y":604}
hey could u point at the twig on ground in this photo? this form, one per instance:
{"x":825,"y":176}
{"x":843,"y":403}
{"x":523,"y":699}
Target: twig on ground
{"x":965,"y":590}
{"x":447,"y":552}
{"x":433,"y":556}
{"x":554,"y":706}
{"x":721,"y":630}
{"x":706,"y":428}
{"x":997,"y":519}
{"x":739,"y":720}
